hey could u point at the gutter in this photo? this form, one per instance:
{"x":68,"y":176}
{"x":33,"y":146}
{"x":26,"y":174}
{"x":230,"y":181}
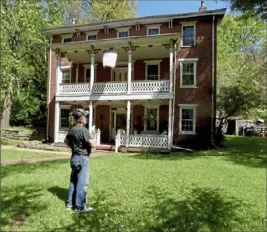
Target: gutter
{"x":212,"y":82}
{"x":48,"y":93}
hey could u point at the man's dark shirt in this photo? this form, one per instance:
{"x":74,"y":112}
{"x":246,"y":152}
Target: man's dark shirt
{"x":78,"y":137}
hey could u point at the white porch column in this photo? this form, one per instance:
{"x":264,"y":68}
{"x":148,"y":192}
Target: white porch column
{"x":171,"y":68}
{"x":129,"y":70}
{"x":128,"y":122}
{"x":170,"y":125}
{"x":58,"y":74}
{"x":90,"y":116}
{"x":56,"y":125}
{"x":92,"y":73}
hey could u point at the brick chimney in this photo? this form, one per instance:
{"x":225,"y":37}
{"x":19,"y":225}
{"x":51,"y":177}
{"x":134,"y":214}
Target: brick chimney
{"x":202,"y":7}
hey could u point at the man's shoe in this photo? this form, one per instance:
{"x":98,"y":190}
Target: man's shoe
{"x":84,"y":210}
{"x":69,"y":206}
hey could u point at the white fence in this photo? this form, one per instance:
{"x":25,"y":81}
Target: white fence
{"x":141,"y":140}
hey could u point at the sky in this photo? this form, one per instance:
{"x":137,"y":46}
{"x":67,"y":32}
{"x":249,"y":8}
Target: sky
{"x":158,"y":7}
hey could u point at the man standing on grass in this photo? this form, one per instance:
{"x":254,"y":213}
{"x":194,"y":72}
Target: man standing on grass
{"x":81,"y":144}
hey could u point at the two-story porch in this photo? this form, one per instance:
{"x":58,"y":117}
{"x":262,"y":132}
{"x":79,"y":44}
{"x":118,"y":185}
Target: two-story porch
{"x":136,"y":96}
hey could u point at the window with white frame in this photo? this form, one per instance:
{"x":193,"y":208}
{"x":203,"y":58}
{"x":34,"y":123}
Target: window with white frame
{"x":188,"y":71}
{"x":153,"y":31}
{"x":66,"y":75}
{"x":67,"y":40}
{"x":87,"y":74}
{"x":153,"y":70}
{"x":123,"y":34}
{"x":151,"y":118}
{"x":64,"y":118}
{"x":91,"y":37}
{"x":188,"y":35}
{"x":187,"y":122}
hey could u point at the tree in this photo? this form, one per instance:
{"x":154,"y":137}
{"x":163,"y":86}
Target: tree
{"x":241,"y":85}
{"x":254,"y":7}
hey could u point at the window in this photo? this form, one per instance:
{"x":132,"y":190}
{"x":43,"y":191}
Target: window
{"x":151,"y":119}
{"x":153,"y":31}
{"x":152,"y":69}
{"x":67,"y":40}
{"x":87,"y":75}
{"x":187,"y":121}
{"x":188,"y":73}
{"x":123,"y":34}
{"x":152,"y":72}
{"x":188,"y":35}
{"x":91,"y":37}
{"x":66,"y":76}
{"x":64,"y":118}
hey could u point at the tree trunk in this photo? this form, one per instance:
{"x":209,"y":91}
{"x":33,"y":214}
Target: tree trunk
{"x":5,"y":116}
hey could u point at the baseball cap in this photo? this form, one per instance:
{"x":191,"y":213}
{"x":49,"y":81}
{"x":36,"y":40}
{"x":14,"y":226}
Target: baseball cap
{"x":78,"y":113}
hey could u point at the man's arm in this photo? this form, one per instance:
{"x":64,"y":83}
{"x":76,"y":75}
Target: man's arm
{"x":66,"y":141}
{"x":89,"y":139}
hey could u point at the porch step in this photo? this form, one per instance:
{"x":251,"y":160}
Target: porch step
{"x":140,"y":149}
{"x":105,"y":147}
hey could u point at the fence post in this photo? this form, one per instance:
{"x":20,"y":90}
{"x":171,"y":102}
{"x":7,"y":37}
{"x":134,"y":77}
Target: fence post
{"x":117,"y":141}
{"x":98,"y":133}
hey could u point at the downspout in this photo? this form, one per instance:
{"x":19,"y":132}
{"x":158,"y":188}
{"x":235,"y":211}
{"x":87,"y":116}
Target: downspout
{"x":48,"y":93}
{"x":212,"y":82}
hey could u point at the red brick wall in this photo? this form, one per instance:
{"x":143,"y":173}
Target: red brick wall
{"x":138,"y":114}
{"x":202,"y":94}
{"x":165,"y":69}
{"x":112,"y":34}
{"x":103,"y":74}
{"x":102,"y":121}
{"x":139,"y":70}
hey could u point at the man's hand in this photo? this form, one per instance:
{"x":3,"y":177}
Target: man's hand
{"x":92,"y":143}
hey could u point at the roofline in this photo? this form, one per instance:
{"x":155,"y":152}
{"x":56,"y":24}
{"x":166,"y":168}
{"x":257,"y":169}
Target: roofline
{"x":132,"y":21}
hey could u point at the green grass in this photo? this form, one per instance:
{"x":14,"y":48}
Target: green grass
{"x":218,"y":190}
{"x":17,"y":154}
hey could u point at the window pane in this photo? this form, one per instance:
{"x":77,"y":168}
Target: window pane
{"x":188,"y":80}
{"x":187,"y":121}
{"x":88,"y":75}
{"x":153,"y":31}
{"x":152,"y":72}
{"x":151,"y":122}
{"x":65,"y":76}
{"x":188,"y":35}
{"x":188,"y":77}
{"x":91,"y":37}
{"x":66,"y":40}
{"x":123,"y":34}
{"x":64,"y":121}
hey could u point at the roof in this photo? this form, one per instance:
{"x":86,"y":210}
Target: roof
{"x":132,"y":21}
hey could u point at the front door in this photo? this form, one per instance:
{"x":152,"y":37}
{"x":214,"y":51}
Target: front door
{"x":120,"y":74}
{"x":121,"y":122}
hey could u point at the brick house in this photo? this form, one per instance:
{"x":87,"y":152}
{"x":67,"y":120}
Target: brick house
{"x":161,"y":92}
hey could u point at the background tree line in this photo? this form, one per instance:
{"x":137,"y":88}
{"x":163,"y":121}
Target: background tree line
{"x":241,"y":61}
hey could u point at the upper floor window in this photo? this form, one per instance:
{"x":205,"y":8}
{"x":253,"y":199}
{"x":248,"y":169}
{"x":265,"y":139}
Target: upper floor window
{"x":91,"y":37}
{"x":123,"y":34}
{"x":67,"y":40}
{"x":188,"y":35}
{"x":153,"y":70}
{"x":188,"y":70}
{"x":153,"y":31}
{"x":66,"y":75}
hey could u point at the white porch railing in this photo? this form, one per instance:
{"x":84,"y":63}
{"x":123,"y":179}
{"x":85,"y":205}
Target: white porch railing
{"x":150,"y":86}
{"x":115,"y":87}
{"x":74,"y":88}
{"x":61,"y":135}
{"x":110,"y":87}
{"x":144,"y":141}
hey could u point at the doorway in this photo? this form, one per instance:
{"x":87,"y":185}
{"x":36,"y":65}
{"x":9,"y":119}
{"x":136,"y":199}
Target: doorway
{"x":120,"y":74}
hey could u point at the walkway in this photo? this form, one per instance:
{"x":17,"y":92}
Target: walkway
{"x":63,"y":155}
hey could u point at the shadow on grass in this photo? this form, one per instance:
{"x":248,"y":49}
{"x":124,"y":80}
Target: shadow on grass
{"x":61,"y":193}
{"x":248,"y":151}
{"x":204,"y":209}
{"x":18,"y":203}
{"x":14,"y":169}
{"x":101,"y":219}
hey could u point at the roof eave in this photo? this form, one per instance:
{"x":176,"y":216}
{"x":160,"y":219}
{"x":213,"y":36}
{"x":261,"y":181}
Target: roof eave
{"x":131,"y":22}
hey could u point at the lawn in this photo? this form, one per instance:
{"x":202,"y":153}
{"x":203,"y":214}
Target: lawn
{"x":20,"y":154}
{"x":218,"y":190}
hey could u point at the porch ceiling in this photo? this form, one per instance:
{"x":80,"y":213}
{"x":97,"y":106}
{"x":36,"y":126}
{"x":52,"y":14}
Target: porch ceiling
{"x":78,"y":51}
